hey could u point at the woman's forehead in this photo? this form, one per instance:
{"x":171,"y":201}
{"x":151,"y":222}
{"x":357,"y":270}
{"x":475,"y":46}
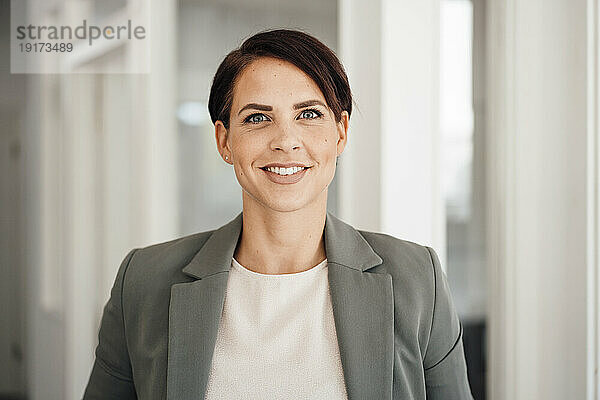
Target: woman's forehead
{"x":271,"y":80}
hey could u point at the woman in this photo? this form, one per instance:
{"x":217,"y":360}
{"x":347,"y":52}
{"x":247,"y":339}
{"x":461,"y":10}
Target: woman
{"x":285,"y":301}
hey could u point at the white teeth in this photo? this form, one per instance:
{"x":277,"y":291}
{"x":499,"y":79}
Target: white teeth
{"x":284,"y":171}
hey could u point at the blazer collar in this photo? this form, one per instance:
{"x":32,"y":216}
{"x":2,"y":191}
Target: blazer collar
{"x":344,"y":245}
{"x":363,"y":310}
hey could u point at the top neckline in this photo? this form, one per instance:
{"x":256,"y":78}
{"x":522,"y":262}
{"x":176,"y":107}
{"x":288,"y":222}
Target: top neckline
{"x":309,"y":271}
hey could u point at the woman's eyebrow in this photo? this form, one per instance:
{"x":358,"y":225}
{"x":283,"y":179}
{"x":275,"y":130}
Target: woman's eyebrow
{"x":256,"y":106}
{"x":308,"y":103}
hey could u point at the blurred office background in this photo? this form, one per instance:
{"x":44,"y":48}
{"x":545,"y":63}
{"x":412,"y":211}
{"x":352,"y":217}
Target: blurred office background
{"x":475,"y":132}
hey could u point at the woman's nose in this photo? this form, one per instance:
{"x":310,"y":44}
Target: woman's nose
{"x":286,"y":138}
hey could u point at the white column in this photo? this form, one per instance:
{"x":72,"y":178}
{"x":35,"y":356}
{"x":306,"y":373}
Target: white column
{"x":85,"y":200}
{"x":81,"y":233}
{"x":160,"y":137}
{"x":538,"y":199}
{"x":593,"y":200}
{"x":359,"y":43}
{"x":390,"y":178}
{"x":412,"y":199}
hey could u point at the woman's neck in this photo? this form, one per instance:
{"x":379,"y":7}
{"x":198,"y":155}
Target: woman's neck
{"x":275,"y":242}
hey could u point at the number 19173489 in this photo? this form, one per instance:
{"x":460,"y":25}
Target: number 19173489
{"x":46,"y":47}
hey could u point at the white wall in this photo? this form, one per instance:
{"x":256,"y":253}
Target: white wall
{"x":359,"y":167}
{"x":101,"y":170}
{"x":390,"y":177}
{"x":537,"y":170}
{"x":537,"y":186}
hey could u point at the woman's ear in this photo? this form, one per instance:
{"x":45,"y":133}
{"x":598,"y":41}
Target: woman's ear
{"x":342,"y":129}
{"x":221,"y":137}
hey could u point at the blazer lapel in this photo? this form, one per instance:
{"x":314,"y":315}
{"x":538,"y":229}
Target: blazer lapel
{"x":195,"y":312}
{"x":363,"y":310}
{"x":194,"y":315}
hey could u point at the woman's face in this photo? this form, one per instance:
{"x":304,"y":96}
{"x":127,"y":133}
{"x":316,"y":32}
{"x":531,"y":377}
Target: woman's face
{"x":283,"y":140}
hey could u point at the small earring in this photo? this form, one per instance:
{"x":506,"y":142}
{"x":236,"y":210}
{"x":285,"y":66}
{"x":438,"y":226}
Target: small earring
{"x":226,"y":158}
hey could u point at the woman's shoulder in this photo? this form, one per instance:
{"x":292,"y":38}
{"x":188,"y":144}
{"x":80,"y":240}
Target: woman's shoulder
{"x":161,"y":263}
{"x":399,"y":251}
{"x":413,"y":266}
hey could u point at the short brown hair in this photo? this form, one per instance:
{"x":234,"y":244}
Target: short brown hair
{"x":306,"y":52}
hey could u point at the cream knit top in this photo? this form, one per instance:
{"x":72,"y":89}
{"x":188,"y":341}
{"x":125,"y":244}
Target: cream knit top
{"x":276,"y":338}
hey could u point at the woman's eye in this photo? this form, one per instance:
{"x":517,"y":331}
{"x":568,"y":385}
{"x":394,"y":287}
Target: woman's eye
{"x":310,"y":114}
{"x":256,"y":118}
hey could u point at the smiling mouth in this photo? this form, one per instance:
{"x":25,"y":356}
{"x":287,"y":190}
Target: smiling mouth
{"x":285,"y":171}
{"x":285,"y":176}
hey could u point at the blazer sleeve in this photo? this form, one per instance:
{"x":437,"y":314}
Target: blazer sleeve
{"x":111,"y":376}
{"x":444,"y":363}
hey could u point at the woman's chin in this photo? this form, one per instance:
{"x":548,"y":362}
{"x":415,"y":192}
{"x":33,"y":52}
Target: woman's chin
{"x":284,"y":203}
{"x":287,"y":206}
{"x":284,"y":200}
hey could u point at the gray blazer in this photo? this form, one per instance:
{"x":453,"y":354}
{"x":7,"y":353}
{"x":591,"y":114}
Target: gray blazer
{"x":398,"y":332}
